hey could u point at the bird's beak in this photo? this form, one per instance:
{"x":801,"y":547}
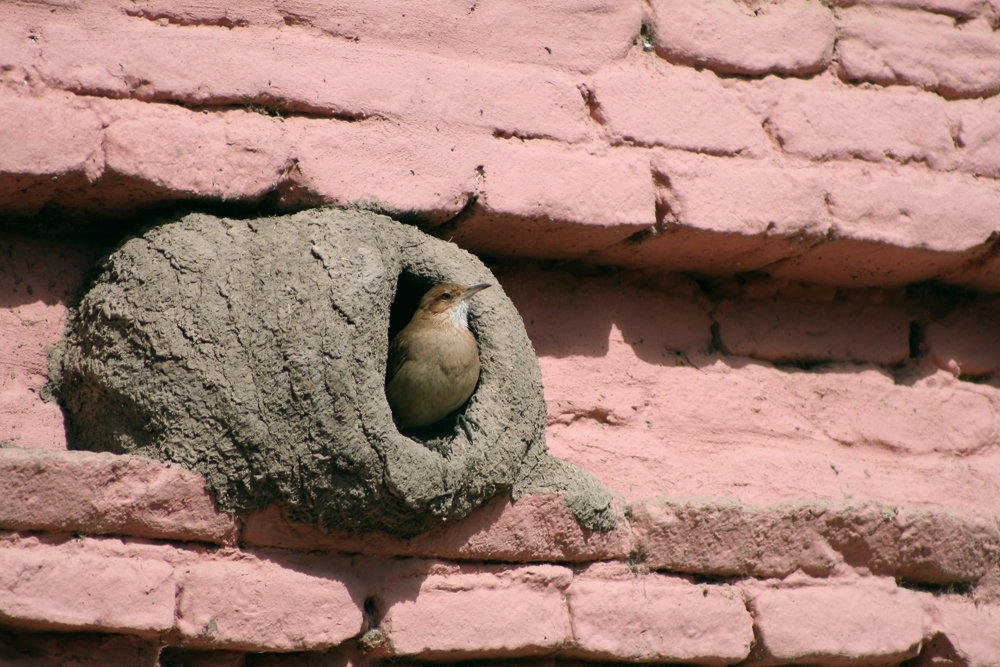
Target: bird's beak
{"x":475,"y":289}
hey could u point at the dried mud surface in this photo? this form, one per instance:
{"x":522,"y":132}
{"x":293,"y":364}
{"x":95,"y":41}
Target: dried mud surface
{"x":254,"y":351}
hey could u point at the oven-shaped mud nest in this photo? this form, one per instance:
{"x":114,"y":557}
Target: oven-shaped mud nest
{"x":254,"y":351}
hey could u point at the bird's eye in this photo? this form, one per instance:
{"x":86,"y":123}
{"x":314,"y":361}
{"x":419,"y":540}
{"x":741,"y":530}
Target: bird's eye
{"x":446,"y":295}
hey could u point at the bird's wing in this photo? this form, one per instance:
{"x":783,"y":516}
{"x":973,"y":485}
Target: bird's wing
{"x":398,"y":355}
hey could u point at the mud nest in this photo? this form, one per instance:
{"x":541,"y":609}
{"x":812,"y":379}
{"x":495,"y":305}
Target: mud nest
{"x":254,"y":352}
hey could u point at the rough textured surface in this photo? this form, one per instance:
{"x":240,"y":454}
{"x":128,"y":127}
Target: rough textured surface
{"x":254,"y":352}
{"x":451,"y":612}
{"x":868,"y":619}
{"x":535,"y":527}
{"x":781,"y":37}
{"x":107,"y":494}
{"x":43,"y":589}
{"x":932,"y":545}
{"x":637,"y":394}
{"x":45,"y":649}
{"x":264,"y":605}
{"x":753,"y":243}
{"x":658,"y":618}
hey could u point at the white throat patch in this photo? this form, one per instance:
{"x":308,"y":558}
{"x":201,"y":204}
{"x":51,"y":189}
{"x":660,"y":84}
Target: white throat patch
{"x":460,"y":315}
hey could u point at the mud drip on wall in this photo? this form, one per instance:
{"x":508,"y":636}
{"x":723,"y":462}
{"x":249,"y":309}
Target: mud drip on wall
{"x":254,"y":352}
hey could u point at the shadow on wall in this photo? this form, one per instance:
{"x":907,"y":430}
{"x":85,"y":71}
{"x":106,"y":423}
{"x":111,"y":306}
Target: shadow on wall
{"x":674,"y":319}
{"x":34,"y":270}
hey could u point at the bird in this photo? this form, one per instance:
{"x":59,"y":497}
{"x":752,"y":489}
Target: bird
{"x":433,"y":364}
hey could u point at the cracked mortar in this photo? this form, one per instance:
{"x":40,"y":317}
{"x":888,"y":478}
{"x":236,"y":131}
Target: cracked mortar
{"x":254,"y":352}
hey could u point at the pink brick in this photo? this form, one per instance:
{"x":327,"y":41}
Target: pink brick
{"x":226,"y":155}
{"x":568,"y":200}
{"x":724,"y":537}
{"x":912,"y":208}
{"x":786,"y":331}
{"x":726,"y":213}
{"x":862,"y":619}
{"x":972,"y":629}
{"x":789,"y":38}
{"x":579,"y":35}
{"x":133,"y":57}
{"x":740,"y":428}
{"x":618,"y":615}
{"x":868,"y":264}
{"x":262,"y":605}
{"x":919,"y":49}
{"x":968,"y":9}
{"x":816,"y":120}
{"x":981,"y":272}
{"x":52,"y":588}
{"x":979,"y":136}
{"x":20,"y":648}
{"x":967,"y":342}
{"x":534,"y":528}
{"x":453,"y":612}
{"x":896,"y":225}
{"x":558,"y":310}
{"x":107,"y":494}
{"x":30,"y":324}
{"x":747,"y":197}
{"x":403,"y":167}
{"x":649,"y":102}
{"x":65,"y":152}
{"x":575,"y":35}
{"x":65,"y":135}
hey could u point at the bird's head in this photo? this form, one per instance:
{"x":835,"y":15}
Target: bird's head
{"x":451,"y":299}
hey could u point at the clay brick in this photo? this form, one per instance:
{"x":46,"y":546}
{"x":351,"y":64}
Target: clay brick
{"x":724,"y":213}
{"x":919,"y":49}
{"x":288,"y":71}
{"x":978,"y":136}
{"x":723,"y":537}
{"x":573,"y":315}
{"x":967,"y":343}
{"x":51,"y":649}
{"x":967,"y":9}
{"x":457,"y":611}
{"x":787,"y":331}
{"x":51,"y":588}
{"x":746,"y":197}
{"x":815,"y":120}
{"x":896,"y":225}
{"x":568,"y":201}
{"x":226,"y":155}
{"x":972,"y":630}
{"x":940,"y":545}
{"x":650,"y":617}
{"x":66,"y":142}
{"x":865,"y":619}
{"x":788,"y":38}
{"x":107,"y":494}
{"x":648,"y":102}
{"x":263,"y":605}
{"x":537,"y":527}
{"x":911,"y":208}
{"x":576,"y":35}
{"x":399,"y":167}
{"x":70,"y":129}
{"x":687,"y":535}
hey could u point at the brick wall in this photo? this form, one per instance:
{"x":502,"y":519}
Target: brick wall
{"x":755,"y":248}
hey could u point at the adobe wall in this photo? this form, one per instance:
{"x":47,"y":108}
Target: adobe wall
{"x":754,"y":246}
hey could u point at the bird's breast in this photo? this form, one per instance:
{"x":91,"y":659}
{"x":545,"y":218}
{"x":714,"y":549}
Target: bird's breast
{"x":439,"y":372}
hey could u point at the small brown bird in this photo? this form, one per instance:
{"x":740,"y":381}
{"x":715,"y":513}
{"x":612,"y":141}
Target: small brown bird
{"x":434,"y":360}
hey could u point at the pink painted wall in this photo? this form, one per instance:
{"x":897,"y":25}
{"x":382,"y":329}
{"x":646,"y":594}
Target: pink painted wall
{"x":753,"y":243}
